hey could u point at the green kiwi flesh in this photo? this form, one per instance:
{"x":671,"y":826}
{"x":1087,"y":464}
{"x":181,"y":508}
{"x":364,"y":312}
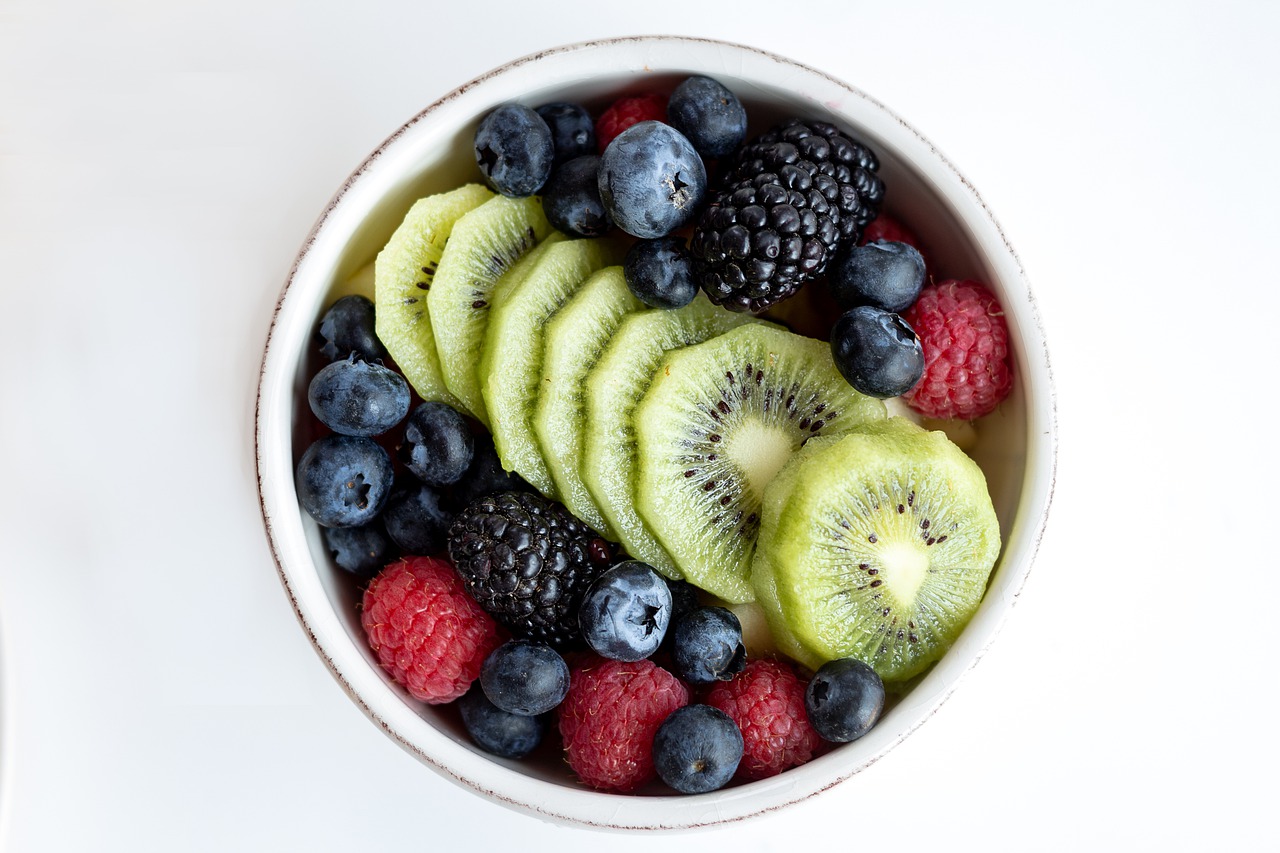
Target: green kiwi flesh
{"x":483,"y":249}
{"x":614,"y":388}
{"x":511,"y":360}
{"x":877,"y":545}
{"x":403,"y":275}
{"x":718,"y":422}
{"x":575,"y":339}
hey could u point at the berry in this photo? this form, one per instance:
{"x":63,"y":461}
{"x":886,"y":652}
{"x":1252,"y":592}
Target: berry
{"x":438,"y":447}
{"x":778,"y":214}
{"x":514,"y":150}
{"x":962,"y":331}
{"x":684,"y":598}
{"x":344,"y":481}
{"x":527,"y":561}
{"x":697,"y":749}
{"x":707,"y":645}
{"x":609,"y":718}
{"x":885,"y":227}
{"x":362,"y":551}
{"x":877,"y":352}
{"x":659,"y":273}
{"x":425,"y":630}
{"x":522,"y":677}
{"x":625,"y":612}
{"x":886,"y":275}
{"x":844,"y":700}
{"x":651,"y":180}
{"x":767,"y":702}
{"x":357,"y":397}
{"x":711,"y":116}
{"x":571,"y":198}
{"x":347,"y":327}
{"x":626,"y":112}
{"x":485,"y":477}
{"x":572,"y":132}
{"x":500,"y":732}
{"x":415,"y":519}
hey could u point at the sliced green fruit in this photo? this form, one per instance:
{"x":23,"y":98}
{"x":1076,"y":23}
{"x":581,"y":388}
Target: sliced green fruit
{"x":403,"y":274}
{"x":876,"y":546}
{"x":614,"y":388}
{"x":718,"y":422}
{"x":511,"y":360}
{"x":576,"y":338}
{"x":484,"y":246}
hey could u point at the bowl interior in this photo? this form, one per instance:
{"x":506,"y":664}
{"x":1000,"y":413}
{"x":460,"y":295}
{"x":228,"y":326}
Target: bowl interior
{"x":432,"y":153}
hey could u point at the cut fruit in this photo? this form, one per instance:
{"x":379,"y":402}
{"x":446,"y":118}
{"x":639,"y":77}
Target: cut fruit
{"x":614,"y":388}
{"x":718,"y":422}
{"x":576,"y":338}
{"x":877,"y":546}
{"x":484,"y":247}
{"x":404,"y":273}
{"x":511,"y":360}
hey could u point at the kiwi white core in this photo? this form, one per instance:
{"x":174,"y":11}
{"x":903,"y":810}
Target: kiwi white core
{"x":904,"y":569}
{"x":759,"y":450}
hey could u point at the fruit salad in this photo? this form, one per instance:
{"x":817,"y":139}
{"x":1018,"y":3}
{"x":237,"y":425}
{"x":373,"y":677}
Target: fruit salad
{"x":623,"y":447}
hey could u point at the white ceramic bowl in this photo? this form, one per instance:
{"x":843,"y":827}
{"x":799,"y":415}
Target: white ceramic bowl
{"x":431,"y":153}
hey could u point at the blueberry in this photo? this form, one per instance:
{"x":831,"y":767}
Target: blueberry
{"x":573,"y":133}
{"x":886,"y":275}
{"x":844,"y":700}
{"x":485,"y":477}
{"x":697,"y":749}
{"x":707,"y":645}
{"x":711,"y":116}
{"x":357,"y":397}
{"x":524,"y":677}
{"x":625,"y":612}
{"x":514,"y":150}
{"x":496,"y":731}
{"x":660,"y":273}
{"x":684,"y":598}
{"x":438,"y":446}
{"x":344,"y":481}
{"x":571,"y":198}
{"x":363,"y":551}
{"x":877,"y":352}
{"x":415,"y":519}
{"x":651,"y":180}
{"x":347,"y":327}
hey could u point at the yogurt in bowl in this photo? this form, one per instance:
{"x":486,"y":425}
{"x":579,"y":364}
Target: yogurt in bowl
{"x":433,"y":153}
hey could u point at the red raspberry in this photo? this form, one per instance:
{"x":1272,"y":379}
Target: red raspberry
{"x":962,"y":330}
{"x":426,"y":631}
{"x":610,"y":716}
{"x":625,"y":112}
{"x":766,"y":700}
{"x":885,"y":227}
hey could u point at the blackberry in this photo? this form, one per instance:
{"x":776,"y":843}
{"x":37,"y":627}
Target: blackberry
{"x":791,"y":197}
{"x":527,"y":561}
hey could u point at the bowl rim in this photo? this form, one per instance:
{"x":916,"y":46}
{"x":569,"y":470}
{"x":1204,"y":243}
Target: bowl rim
{"x":594,"y":809}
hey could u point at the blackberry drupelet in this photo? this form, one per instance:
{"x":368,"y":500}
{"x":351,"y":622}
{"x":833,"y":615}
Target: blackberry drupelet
{"x":527,"y":561}
{"x":792,"y":196}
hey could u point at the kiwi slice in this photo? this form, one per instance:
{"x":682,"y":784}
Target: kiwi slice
{"x":403,"y":274}
{"x":484,"y":247}
{"x":575,"y":339}
{"x":614,"y":388}
{"x":511,"y":361}
{"x":878,"y":546}
{"x":716,"y":425}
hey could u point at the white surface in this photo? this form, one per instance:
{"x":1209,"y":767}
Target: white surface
{"x":159,"y":167}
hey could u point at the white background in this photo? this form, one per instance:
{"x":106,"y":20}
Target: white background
{"x":160,"y":165}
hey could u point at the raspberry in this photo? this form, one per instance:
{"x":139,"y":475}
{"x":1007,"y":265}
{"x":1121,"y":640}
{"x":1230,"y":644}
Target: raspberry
{"x":767,"y":702}
{"x":610,"y":716}
{"x":625,"y":112}
{"x":962,"y":330}
{"x":426,"y":630}
{"x":885,"y":227}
